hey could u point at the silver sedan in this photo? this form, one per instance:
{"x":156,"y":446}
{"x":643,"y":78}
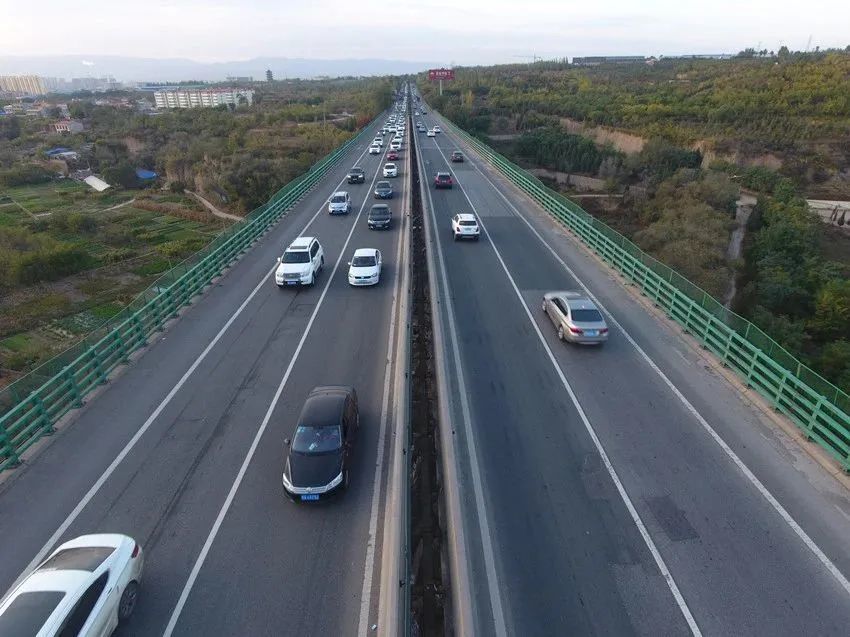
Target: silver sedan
{"x":576,"y":317}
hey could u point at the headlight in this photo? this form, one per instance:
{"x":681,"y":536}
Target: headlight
{"x":335,"y":482}
{"x":286,"y":482}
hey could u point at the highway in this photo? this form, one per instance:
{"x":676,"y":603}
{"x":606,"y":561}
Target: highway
{"x":627,"y":489}
{"x":184,"y":450}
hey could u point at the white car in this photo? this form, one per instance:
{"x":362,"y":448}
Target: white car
{"x":300,"y":263}
{"x":465,"y":226}
{"x":339,"y":203}
{"x":436,"y":129}
{"x":374,"y":149}
{"x":365,"y":267}
{"x":432,"y":132}
{"x":390,"y":170}
{"x":85,"y":588}
{"x":395,"y":145}
{"x":379,"y":141}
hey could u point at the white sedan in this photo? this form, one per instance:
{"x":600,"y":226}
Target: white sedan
{"x":390,"y":170}
{"x":85,"y":588}
{"x":365,"y":267}
{"x":395,"y":144}
{"x":436,"y":129}
{"x":374,"y":149}
{"x":432,"y":132}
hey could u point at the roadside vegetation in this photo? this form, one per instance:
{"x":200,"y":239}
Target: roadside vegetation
{"x":672,"y":154}
{"x":71,"y":258}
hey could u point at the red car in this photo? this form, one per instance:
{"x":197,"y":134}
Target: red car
{"x":443,"y":180}
{"x":393,"y":154}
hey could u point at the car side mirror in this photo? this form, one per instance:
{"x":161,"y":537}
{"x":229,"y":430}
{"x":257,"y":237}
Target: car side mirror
{"x":279,"y":259}
{"x":349,"y":263}
{"x":286,"y":441}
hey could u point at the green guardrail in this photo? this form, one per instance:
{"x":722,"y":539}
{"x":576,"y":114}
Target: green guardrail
{"x":814,"y":404}
{"x":33,"y":403}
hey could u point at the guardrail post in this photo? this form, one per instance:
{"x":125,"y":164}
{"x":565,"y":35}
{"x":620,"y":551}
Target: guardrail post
{"x":7,"y":450}
{"x":137,"y":323}
{"x":47,"y":428}
{"x":68,"y":374}
{"x":122,"y":346}
{"x":811,"y":421}
{"x":101,"y":375}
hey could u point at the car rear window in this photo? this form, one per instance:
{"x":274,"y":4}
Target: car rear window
{"x":28,"y":612}
{"x":467,"y":223}
{"x":86,"y":558}
{"x":586,"y":316}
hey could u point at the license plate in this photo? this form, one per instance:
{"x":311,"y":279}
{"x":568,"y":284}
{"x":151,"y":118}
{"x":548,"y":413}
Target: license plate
{"x":591,"y":332}
{"x":310,"y":497}
{"x":291,"y":282}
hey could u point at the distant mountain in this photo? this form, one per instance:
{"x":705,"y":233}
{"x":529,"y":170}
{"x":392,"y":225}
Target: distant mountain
{"x":132,"y":69}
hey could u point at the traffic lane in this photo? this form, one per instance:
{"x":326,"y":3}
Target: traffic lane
{"x":108,"y":422}
{"x":566,"y":548}
{"x":719,"y":521}
{"x":305,"y":567}
{"x":187,"y":472}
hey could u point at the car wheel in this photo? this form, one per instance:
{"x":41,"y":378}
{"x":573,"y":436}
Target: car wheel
{"x":477,"y":237}
{"x":456,"y":237}
{"x":322,"y":264}
{"x":312,"y":278}
{"x":543,"y":306}
{"x":346,"y":479}
{"x":127,"y":604}
{"x":560,"y":332}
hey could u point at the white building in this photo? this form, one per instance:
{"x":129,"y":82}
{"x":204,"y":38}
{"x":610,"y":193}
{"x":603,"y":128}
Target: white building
{"x":68,"y":126}
{"x":23,"y":84}
{"x":202,"y":98}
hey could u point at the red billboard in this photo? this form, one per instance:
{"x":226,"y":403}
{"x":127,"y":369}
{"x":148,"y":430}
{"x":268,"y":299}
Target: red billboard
{"x":441,"y":74}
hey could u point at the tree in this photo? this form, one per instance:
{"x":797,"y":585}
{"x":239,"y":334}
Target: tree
{"x":122,"y":174}
{"x":10,"y":127}
{"x":832,"y":311}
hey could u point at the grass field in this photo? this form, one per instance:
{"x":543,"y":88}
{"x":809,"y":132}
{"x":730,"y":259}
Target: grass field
{"x":130,"y":247}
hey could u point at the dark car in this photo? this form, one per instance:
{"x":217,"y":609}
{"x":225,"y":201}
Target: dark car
{"x":356,"y":176}
{"x":443,"y":180}
{"x":383,"y":190}
{"x":457,"y":156}
{"x":380,"y":216}
{"x":319,"y":456}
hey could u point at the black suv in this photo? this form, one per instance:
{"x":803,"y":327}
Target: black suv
{"x":383,"y":190}
{"x":319,"y":456}
{"x":380,"y":216}
{"x":457,"y":156}
{"x":356,"y":176}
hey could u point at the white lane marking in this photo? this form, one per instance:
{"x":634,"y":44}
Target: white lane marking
{"x":644,"y":532}
{"x":231,"y":495}
{"x":478,"y":492}
{"x":763,"y":490}
{"x":369,"y":564}
{"x":147,"y":424}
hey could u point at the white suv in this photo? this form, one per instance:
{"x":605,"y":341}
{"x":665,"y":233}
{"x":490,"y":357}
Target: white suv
{"x":390,"y":170}
{"x":301,"y":263}
{"x":465,"y":226}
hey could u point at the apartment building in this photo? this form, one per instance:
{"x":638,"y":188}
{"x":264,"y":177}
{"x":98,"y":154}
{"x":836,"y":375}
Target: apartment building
{"x":202,"y":98}
{"x":23,"y":84}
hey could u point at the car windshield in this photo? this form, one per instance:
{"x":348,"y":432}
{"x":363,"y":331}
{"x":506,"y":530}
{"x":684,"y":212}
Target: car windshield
{"x":356,"y":171}
{"x":379,"y":211}
{"x":383,"y":185}
{"x":586,"y":316}
{"x":337,"y":199}
{"x":310,"y":440}
{"x":296,"y":256}
{"x":363,"y":262}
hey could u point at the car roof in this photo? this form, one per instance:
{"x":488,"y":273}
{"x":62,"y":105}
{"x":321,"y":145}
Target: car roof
{"x":465,"y":216}
{"x":341,"y":193}
{"x":324,"y":406}
{"x":301,"y":243}
{"x":443,"y":174}
{"x":365,"y":252}
{"x":389,"y":163}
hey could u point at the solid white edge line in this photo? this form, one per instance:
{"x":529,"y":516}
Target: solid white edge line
{"x":369,"y":563}
{"x":478,"y":492}
{"x":147,"y":424}
{"x":231,"y":495}
{"x":644,"y":532}
{"x":763,"y":490}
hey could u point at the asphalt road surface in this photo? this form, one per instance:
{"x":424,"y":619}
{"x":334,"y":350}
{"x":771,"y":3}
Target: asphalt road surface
{"x":214,"y":397}
{"x":619,"y":490}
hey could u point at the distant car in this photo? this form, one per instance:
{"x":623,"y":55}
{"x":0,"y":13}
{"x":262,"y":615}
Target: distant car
{"x":378,"y":141}
{"x":300,"y":263}
{"x":85,"y":588}
{"x":383,"y":190}
{"x":424,"y":112}
{"x":374,"y":149}
{"x":356,"y":176}
{"x":318,"y":461}
{"x":436,"y":129}
{"x":422,"y":129}
{"x":365,"y":267}
{"x":576,"y":317}
{"x":380,"y":217}
{"x":416,"y":113}
{"x":339,"y":203}
{"x":393,"y":154}
{"x":465,"y":226}
{"x":457,"y":156}
{"x":395,"y":144}
{"x":443,"y":180}
{"x":432,"y":132}
{"x":390,"y":170}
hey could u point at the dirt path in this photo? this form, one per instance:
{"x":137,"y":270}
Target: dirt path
{"x":211,"y":207}
{"x":120,"y":205}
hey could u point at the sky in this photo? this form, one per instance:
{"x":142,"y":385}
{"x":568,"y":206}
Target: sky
{"x":463,"y":32}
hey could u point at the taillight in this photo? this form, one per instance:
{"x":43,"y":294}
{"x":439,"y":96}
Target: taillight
{"x":135,"y":550}
{"x":575,"y":330}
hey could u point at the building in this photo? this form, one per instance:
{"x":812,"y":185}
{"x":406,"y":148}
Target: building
{"x":202,"y":98}
{"x":269,"y":76}
{"x":68,"y":126}
{"x":596,"y":60}
{"x":22,"y":84}
{"x":240,"y":78}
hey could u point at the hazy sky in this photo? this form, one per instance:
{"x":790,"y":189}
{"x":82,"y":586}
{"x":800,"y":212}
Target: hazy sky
{"x":461,"y":32}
